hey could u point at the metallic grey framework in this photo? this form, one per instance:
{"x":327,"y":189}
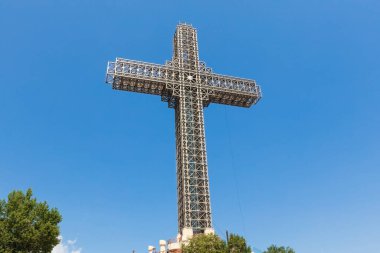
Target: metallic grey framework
{"x":188,"y":86}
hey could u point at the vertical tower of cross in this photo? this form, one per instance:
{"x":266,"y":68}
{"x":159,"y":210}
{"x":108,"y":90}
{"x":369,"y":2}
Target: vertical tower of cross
{"x":188,"y":86}
{"x":194,"y":209}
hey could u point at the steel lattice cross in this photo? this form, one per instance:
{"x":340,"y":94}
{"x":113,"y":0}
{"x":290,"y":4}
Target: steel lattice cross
{"x":188,"y":86}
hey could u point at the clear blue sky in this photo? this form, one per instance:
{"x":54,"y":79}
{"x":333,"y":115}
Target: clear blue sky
{"x":302,"y":168}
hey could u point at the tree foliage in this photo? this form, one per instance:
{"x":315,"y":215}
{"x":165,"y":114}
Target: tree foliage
{"x":237,"y":244}
{"x":205,"y":244}
{"x":27,"y":225}
{"x":213,"y":244}
{"x":275,"y":249}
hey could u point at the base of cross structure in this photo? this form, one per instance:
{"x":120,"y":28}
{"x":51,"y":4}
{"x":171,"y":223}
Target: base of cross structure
{"x":175,"y":245}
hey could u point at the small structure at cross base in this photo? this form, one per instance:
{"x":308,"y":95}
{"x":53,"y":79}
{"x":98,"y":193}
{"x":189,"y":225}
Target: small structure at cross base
{"x":175,"y":245}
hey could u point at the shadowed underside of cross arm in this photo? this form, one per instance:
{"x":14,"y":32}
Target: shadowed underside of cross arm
{"x":142,"y":77}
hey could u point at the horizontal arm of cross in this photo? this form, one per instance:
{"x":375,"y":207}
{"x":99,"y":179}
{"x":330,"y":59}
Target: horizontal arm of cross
{"x":140,"y":76}
{"x":154,"y":79}
{"x":231,"y":90}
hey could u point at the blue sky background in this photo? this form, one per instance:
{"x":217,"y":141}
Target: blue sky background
{"x":301,"y":168}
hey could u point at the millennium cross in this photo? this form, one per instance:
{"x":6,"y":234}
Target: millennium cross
{"x":188,"y":86}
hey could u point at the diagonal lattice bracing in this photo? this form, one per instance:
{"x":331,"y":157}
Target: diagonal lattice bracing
{"x":188,"y":86}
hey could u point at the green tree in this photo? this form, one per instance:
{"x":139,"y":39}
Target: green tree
{"x":275,"y":249}
{"x":27,"y":226}
{"x":205,"y":244}
{"x":237,"y":244}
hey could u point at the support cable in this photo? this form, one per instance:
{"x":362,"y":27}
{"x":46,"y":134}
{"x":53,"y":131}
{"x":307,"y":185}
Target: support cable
{"x":234,"y":169}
